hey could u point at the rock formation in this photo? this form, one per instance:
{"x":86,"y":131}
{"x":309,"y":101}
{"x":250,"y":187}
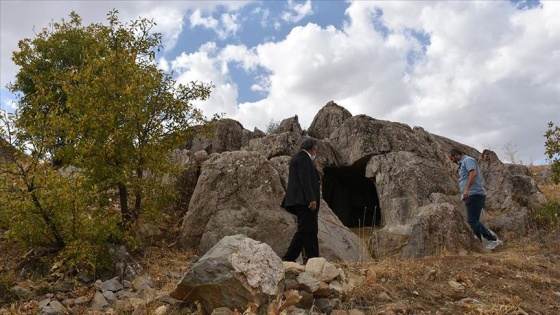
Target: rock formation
{"x":392,"y":179}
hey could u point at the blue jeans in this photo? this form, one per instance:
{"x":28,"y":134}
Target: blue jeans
{"x":474,"y":204}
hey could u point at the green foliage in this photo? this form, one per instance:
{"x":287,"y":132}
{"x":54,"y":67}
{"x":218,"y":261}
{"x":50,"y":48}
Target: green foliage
{"x":6,"y":293}
{"x":54,"y":208}
{"x":548,"y":214}
{"x":552,"y":146}
{"x":95,"y":98}
{"x":87,"y":152}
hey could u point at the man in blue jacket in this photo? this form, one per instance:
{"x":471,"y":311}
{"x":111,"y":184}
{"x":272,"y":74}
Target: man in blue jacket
{"x":302,"y":199}
{"x":473,"y":195}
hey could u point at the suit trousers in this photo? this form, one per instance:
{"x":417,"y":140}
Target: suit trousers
{"x":305,"y":239}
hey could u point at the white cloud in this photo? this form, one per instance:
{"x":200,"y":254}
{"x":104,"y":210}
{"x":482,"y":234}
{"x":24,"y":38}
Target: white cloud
{"x":487,"y":76}
{"x":197,"y":19}
{"x":204,"y":66}
{"x":227,"y":25}
{"x":297,"y":11}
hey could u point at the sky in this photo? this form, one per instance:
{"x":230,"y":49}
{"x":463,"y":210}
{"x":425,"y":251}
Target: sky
{"x":483,"y":73}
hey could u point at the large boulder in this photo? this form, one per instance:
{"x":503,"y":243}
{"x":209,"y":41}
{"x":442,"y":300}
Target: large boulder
{"x":237,"y":193}
{"x":405,"y":182}
{"x":240,"y":193}
{"x":289,"y":125}
{"x":510,"y":186}
{"x":327,"y":120}
{"x":221,"y":136}
{"x":236,"y":271}
{"x":286,"y":143}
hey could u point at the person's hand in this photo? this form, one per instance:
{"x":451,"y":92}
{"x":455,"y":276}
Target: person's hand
{"x":465,"y":195}
{"x":312,"y":205}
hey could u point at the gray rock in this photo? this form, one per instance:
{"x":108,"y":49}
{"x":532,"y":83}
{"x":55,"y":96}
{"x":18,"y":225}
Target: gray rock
{"x":111,"y":285}
{"x":99,"y":302}
{"x":289,"y":125}
{"x":140,"y":282}
{"x":237,"y":270}
{"x":237,"y":193}
{"x":308,"y":282}
{"x":327,"y":120}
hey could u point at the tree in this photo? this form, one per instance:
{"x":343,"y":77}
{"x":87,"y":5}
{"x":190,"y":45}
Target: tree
{"x":552,"y":146}
{"x":98,"y":101}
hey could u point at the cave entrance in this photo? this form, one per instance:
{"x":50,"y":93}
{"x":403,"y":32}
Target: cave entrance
{"x":352,"y":196}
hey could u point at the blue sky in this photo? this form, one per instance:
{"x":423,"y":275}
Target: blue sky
{"x":484,"y":73}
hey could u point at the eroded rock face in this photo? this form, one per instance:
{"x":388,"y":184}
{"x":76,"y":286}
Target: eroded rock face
{"x":241,"y":192}
{"x":509,"y":185}
{"x":404,"y":175}
{"x":237,"y":270}
{"x":327,"y":120}
{"x":289,"y":125}
{"x":286,"y":143}
{"x":237,"y":193}
{"x":227,"y":135}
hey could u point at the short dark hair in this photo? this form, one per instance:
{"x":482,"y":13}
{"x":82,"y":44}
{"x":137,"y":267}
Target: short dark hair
{"x":455,"y":151}
{"x":308,"y":143}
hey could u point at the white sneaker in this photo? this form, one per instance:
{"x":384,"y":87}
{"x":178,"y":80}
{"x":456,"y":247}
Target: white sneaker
{"x":493,"y":244}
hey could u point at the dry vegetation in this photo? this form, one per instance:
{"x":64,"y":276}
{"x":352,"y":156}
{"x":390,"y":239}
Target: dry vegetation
{"x":522,"y":277}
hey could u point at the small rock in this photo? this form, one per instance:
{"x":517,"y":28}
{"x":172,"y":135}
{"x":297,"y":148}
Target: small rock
{"x":83,"y":278}
{"x":355,"y":312}
{"x":108,"y":295}
{"x":222,"y":311}
{"x":323,"y":305}
{"x":140,"y":282}
{"x":162,"y":310}
{"x":470,"y":301}
{"x":384,"y":297}
{"x":111,"y":285}
{"x":308,"y":282}
{"x":98,"y":302}
{"x":81,"y":300}
{"x":306,"y":301}
{"x":324,"y":291}
{"x":456,"y":285}
{"x":431,"y":275}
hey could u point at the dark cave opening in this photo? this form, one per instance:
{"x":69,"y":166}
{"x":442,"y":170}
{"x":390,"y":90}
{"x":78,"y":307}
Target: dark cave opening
{"x":352,"y":196}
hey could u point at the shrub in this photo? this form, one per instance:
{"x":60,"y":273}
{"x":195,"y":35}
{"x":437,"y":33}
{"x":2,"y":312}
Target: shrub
{"x":548,"y":214}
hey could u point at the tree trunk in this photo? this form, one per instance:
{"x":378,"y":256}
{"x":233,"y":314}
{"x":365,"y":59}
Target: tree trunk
{"x":126,"y":217}
{"x":59,"y":240}
{"x":138,"y":195}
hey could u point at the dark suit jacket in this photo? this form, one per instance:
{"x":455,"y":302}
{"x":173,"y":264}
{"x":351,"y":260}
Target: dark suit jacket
{"x":303,"y":182}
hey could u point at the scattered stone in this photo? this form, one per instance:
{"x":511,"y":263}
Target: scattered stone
{"x":357,"y":312}
{"x":99,"y":302}
{"x":111,"y":285}
{"x":162,"y":310}
{"x":431,"y":275}
{"x":456,"y":285}
{"x":308,"y":282}
{"x":222,"y":311}
{"x":324,"y":291}
{"x":384,"y":297}
{"x":323,"y":305}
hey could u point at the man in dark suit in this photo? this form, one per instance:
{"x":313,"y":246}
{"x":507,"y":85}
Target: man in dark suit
{"x":302,"y":199}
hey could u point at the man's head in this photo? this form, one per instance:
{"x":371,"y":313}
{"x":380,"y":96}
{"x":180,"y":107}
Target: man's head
{"x":455,"y":155}
{"x":309,"y":145}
